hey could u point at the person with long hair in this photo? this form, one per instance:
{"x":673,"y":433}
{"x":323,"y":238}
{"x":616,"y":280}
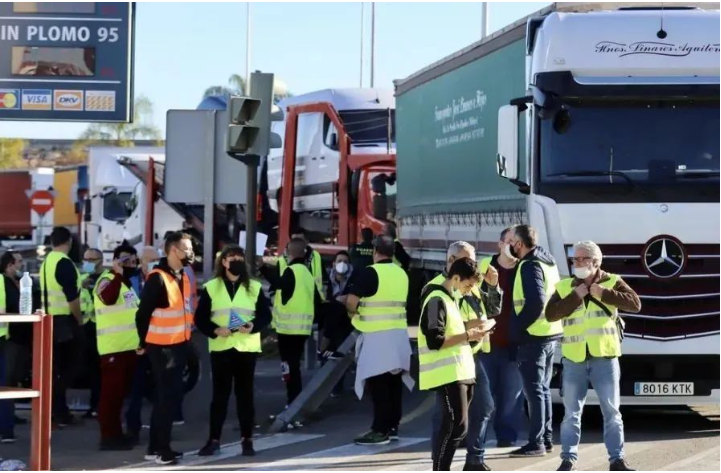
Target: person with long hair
{"x":231,"y":312}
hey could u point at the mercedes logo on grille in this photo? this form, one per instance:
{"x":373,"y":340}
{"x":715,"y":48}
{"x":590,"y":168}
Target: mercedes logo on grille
{"x":664,"y":257}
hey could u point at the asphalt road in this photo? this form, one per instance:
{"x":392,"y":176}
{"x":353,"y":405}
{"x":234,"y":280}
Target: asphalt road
{"x":656,"y":439}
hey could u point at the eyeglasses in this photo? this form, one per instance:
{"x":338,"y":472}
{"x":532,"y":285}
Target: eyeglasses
{"x":581,"y":259}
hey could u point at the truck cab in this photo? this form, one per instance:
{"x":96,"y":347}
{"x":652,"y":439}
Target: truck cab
{"x":621,"y":147}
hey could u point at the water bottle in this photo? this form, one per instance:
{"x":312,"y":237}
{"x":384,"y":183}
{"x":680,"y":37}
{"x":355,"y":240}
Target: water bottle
{"x":26,"y":294}
{"x":13,"y":465}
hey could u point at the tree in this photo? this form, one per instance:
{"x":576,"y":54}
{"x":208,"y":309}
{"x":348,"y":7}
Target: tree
{"x":11,"y":153}
{"x":236,"y":86}
{"x":124,"y":134}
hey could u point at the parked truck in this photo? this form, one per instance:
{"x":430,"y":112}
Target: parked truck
{"x":589,"y":122}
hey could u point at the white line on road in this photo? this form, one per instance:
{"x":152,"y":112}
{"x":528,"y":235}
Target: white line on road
{"x":339,"y":456}
{"x":227,"y":450}
{"x":694,"y":460}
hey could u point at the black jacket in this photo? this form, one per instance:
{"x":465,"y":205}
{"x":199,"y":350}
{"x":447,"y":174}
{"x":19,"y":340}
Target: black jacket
{"x":532,"y":279}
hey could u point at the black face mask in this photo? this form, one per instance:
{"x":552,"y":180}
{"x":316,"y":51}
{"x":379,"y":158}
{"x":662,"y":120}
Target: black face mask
{"x":237,"y":268}
{"x":513,"y":251}
{"x":187,"y":259}
{"x":129,"y":272}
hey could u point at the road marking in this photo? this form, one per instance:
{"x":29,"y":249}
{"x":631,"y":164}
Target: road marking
{"x":692,"y":460}
{"x":348,"y":453}
{"x":227,"y":450}
{"x":424,"y":407}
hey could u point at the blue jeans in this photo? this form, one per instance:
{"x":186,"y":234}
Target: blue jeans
{"x":7,"y":412}
{"x":535,"y":361}
{"x":479,"y":415}
{"x":604,"y":375}
{"x":507,"y":390}
{"x":138,"y":391}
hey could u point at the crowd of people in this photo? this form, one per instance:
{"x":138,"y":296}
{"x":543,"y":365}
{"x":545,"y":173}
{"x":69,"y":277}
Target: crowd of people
{"x":488,"y":332}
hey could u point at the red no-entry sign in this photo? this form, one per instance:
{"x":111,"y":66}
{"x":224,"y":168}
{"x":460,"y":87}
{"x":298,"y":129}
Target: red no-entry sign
{"x":42,"y":201}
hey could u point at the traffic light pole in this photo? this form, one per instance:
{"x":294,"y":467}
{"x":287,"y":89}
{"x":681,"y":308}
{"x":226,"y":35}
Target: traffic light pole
{"x":251,"y":211}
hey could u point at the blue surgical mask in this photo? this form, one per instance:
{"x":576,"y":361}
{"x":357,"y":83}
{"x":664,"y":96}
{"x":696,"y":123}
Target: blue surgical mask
{"x":87,"y":267}
{"x":152,"y":265}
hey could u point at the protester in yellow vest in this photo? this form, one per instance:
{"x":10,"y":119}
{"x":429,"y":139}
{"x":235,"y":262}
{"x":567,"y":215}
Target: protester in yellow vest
{"x":117,"y":341}
{"x":445,"y":357}
{"x":60,"y":294}
{"x":376,"y":303}
{"x":296,"y":301}
{"x":474,"y":307}
{"x":311,"y":259}
{"x":90,"y":270}
{"x":588,"y":305}
{"x":535,"y":281}
{"x":232,"y":310}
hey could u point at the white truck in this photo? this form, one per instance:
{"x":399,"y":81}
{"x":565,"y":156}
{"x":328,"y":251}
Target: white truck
{"x":116,"y":205}
{"x":603,"y":123}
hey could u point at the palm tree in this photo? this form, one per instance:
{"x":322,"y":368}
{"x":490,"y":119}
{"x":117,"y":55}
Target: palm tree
{"x":124,"y":134}
{"x":236,"y":86}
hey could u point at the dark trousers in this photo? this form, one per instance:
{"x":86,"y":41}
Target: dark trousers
{"x":535,"y":361}
{"x":291,"y":352}
{"x":65,"y":353}
{"x":387,"y":395}
{"x":138,"y":392}
{"x":116,"y":372}
{"x":7,"y":416}
{"x":232,"y":369}
{"x":92,"y":363}
{"x":18,"y":357}
{"x":167,"y":363}
{"x":454,"y":400}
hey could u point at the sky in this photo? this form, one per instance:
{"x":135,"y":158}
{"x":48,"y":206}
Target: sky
{"x":183,"y":48}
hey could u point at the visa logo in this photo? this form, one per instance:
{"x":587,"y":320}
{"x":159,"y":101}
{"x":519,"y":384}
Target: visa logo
{"x":37,"y":99}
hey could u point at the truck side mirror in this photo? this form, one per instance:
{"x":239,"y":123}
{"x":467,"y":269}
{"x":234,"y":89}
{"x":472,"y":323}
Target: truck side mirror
{"x":507,"y":159}
{"x":87,"y":216}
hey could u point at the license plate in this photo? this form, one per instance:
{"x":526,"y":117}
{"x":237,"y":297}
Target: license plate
{"x":663,"y":389}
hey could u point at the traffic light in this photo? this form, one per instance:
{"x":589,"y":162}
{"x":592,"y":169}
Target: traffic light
{"x":244,"y":127}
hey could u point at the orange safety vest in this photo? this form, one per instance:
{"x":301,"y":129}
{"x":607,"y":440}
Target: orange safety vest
{"x":171,"y":325}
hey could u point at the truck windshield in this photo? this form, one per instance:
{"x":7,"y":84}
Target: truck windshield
{"x":383,"y":195}
{"x":117,"y":206}
{"x":369,"y":126}
{"x":658,"y":147}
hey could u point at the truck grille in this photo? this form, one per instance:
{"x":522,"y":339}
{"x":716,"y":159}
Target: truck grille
{"x":683,"y":307}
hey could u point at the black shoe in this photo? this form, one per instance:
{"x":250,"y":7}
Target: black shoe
{"x":165,"y":459}
{"x":549,"y":446}
{"x":567,"y":465}
{"x":393,"y":434}
{"x":210,"y":448}
{"x":528,"y":451}
{"x":116,"y":444}
{"x":9,"y":438}
{"x":505,"y":444}
{"x":247,"y":448}
{"x":620,"y":465}
{"x":476,"y":467}
{"x":152,"y":456}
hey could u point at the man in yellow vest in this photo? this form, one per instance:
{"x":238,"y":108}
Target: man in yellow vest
{"x":536,"y":337}
{"x":588,"y":305}
{"x":311,"y":259}
{"x":90,"y":271}
{"x":474,"y":306}
{"x":445,"y":358}
{"x":117,"y":342}
{"x":376,"y":303}
{"x":294,"y":309}
{"x":60,"y":294}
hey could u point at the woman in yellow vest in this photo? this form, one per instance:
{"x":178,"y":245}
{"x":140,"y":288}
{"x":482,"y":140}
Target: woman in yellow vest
{"x":445,"y":356}
{"x":588,"y":304}
{"x":231,"y":312}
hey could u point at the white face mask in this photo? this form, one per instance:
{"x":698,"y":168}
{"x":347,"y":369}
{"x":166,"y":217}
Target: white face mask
{"x":341,"y":268}
{"x":507,"y":251}
{"x":582,"y":272}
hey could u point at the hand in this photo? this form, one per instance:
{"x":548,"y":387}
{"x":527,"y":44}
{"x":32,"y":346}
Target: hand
{"x":341,"y":299}
{"x":140,"y":351}
{"x":474,"y":334}
{"x":581,"y":290}
{"x":491,"y":276}
{"x":117,"y":266}
{"x":597,"y":291}
{"x":247,"y":328}
{"x":87,"y":283}
{"x":223,"y":332}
